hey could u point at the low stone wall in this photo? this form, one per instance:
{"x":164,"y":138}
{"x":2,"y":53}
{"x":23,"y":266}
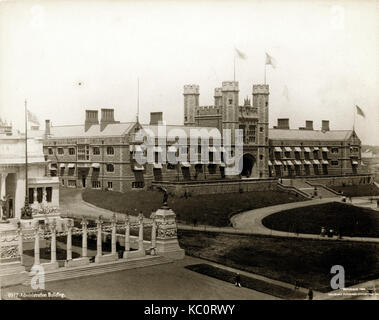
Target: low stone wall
{"x":218,"y":187}
{"x":197,"y":188}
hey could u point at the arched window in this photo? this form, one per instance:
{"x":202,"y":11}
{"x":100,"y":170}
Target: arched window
{"x":110,"y":167}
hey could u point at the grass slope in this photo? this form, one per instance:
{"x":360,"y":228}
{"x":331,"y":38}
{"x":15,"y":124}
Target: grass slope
{"x":358,"y":191}
{"x":286,"y":259}
{"x":210,"y":209}
{"x":349,"y":220}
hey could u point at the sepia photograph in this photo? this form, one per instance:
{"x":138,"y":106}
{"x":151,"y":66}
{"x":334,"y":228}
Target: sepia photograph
{"x":189,"y":155}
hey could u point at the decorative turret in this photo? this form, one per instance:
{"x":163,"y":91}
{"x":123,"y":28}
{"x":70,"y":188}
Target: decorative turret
{"x":260,"y":101}
{"x":191,"y":94}
{"x":230,"y":106}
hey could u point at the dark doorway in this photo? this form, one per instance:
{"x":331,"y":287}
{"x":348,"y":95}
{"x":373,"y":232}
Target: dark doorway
{"x":247,"y":165}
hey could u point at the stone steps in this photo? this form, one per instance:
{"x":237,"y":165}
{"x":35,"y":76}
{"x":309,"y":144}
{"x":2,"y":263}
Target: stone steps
{"x":95,"y":269}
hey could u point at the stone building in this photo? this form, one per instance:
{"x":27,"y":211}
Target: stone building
{"x":42,"y":189}
{"x":102,"y":154}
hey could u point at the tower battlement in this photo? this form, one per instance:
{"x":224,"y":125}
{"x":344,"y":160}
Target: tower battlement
{"x":207,"y":110}
{"x":218,"y":92}
{"x":230,"y":86}
{"x":191,"y":89}
{"x":261,"y":89}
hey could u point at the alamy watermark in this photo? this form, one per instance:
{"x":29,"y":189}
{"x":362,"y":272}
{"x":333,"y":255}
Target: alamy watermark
{"x":191,"y":146}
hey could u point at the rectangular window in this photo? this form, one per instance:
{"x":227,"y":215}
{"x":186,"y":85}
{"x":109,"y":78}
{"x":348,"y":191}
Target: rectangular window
{"x":110,"y":151}
{"x":71,"y":151}
{"x":251,"y":133}
{"x":60,"y":151}
{"x":71,"y":183}
{"x":96,"y":150}
{"x":39,"y":195}
{"x":49,"y":194}
{"x":83,"y":152}
{"x":63,"y":182}
{"x":171,"y":166}
{"x":50,"y":150}
{"x":334,"y":150}
{"x":334,"y":162}
{"x":31,"y":195}
{"x":96,"y":184}
{"x":110,"y":185}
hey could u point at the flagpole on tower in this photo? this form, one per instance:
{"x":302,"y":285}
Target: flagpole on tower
{"x":265,"y":73}
{"x":234,"y":67}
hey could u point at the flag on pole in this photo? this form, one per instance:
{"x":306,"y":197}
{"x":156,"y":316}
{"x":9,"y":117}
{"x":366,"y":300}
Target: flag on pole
{"x":270,"y":60}
{"x":32,"y":118}
{"x":240,"y":54}
{"x":360,"y":111}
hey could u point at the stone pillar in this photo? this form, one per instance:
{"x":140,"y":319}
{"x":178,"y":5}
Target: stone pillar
{"x":153,"y":233}
{"x":35,"y":196}
{"x":127,"y":236}
{"x":140,"y":233}
{"x":84,"y":237}
{"x":44,"y":195}
{"x":114,"y":244}
{"x":53,"y":228}
{"x":36,"y":245}
{"x":167,"y":241}
{"x":99,"y":253}
{"x":20,"y":243}
{"x":69,"y":240}
{"x":2,"y":192}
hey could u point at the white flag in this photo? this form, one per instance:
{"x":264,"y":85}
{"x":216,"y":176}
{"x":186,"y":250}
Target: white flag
{"x":32,"y":118}
{"x":240,"y":54}
{"x":270,"y":60}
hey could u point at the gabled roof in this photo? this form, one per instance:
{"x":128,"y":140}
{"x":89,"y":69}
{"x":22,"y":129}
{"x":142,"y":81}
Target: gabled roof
{"x":112,"y":129}
{"x":318,"y":135}
{"x":173,"y":131}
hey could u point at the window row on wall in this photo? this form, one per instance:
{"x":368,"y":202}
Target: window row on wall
{"x":83,"y":151}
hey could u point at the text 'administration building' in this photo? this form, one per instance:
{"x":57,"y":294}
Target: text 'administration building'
{"x":101,"y":154}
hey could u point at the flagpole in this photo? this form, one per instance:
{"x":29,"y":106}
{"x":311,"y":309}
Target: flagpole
{"x":354,"y":117}
{"x":137,"y":100}
{"x":26,"y":155}
{"x":265,"y":73}
{"x":234,"y":67}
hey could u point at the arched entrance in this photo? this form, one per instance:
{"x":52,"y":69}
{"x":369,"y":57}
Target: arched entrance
{"x":248,"y":162}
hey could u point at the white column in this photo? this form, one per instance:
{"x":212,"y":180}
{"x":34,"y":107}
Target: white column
{"x":44,"y":195}
{"x":140,"y":233}
{"x":84,"y":237}
{"x":69,"y":240}
{"x":99,"y":238}
{"x":53,"y":242}
{"x":20,"y":243}
{"x":154,"y":234}
{"x":36,"y":245}
{"x":2,"y":191}
{"x":35,"y":196}
{"x":127,"y":234}
{"x":114,"y":234}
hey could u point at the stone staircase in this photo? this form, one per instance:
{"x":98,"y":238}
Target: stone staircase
{"x":306,"y":188}
{"x":100,"y":268}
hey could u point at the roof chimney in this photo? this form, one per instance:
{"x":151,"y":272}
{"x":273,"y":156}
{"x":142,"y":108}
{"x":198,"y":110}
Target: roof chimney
{"x":325,"y":125}
{"x":91,"y":119}
{"x":155,"y":118}
{"x":47,"y":128}
{"x":283,"y":123}
{"x":308,"y":125}
{"x":107,"y":117}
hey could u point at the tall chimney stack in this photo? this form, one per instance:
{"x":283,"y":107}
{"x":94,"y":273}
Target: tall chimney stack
{"x":325,"y":125}
{"x":156,"y":117}
{"x":47,"y":128}
{"x":91,"y":119}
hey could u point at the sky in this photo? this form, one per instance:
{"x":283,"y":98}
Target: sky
{"x":68,"y":56}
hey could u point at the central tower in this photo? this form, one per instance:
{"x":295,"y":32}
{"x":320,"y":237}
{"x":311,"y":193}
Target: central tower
{"x":191,"y":94}
{"x":230,"y":109}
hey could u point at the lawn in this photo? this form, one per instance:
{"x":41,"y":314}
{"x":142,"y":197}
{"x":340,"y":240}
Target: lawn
{"x":347,"y":219}
{"x":358,"y":191}
{"x":286,"y":259}
{"x":247,"y":282}
{"x":210,"y":209}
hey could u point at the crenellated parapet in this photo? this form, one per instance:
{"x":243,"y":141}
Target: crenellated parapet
{"x":191,"y":89}
{"x":208,"y":110}
{"x":261,"y":89}
{"x":230,"y":86}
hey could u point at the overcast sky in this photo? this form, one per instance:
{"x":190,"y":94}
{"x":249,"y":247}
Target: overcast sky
{"x":326,"y":54}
